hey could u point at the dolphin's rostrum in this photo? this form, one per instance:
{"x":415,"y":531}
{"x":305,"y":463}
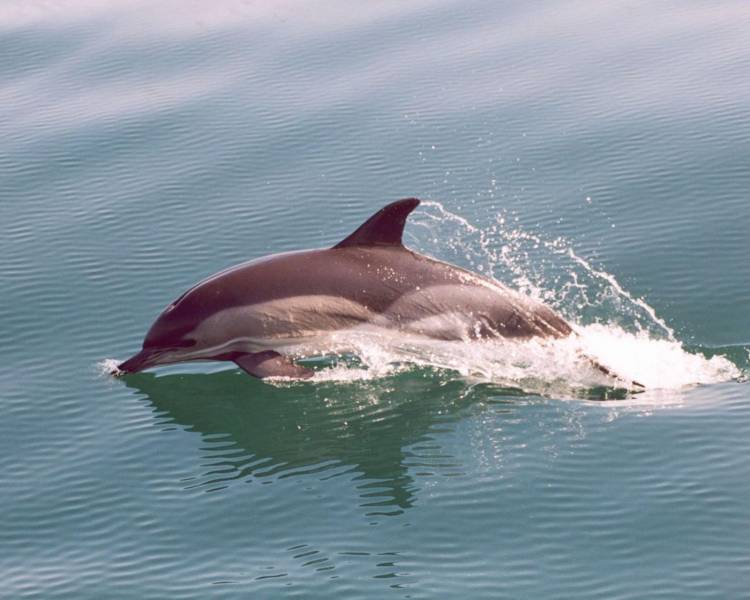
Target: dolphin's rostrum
{"x":257,"y":313}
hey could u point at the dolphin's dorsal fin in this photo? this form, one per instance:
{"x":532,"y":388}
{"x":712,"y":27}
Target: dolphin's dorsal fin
{"x":384,"y":228}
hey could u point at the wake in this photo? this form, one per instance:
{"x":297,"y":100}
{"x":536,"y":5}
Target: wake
{"x":612,"y":327}
{"x":551,"y":367}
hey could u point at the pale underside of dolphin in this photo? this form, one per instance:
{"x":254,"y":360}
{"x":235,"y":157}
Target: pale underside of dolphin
{"x":256,"y":313}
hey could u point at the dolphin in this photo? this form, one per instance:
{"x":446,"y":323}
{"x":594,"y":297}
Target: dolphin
{"x":259,"y":313}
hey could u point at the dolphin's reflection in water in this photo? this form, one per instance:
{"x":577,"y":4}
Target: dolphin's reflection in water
{"x":373,"y":430}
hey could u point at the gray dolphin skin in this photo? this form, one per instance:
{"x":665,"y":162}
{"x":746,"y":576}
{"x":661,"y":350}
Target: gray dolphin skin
{"x":256,"y":313}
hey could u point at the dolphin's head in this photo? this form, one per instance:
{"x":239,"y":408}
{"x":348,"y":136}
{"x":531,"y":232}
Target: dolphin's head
{"x":170,"y":339}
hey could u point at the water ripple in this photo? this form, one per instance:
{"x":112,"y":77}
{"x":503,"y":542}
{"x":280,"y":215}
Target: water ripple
{"x":144,"y":146}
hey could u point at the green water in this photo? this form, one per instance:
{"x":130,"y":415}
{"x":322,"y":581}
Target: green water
{"x":599,"y":154}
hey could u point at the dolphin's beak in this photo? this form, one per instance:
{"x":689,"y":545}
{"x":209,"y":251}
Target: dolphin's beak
{"x":138,"y":362}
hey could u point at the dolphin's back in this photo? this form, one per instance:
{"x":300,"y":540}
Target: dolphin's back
{"x":296,"y":294}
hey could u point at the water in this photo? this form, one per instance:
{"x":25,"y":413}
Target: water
{"x":593,"y":155}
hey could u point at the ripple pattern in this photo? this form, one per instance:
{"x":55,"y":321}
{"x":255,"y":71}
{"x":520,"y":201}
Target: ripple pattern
{"x":144,"y":146}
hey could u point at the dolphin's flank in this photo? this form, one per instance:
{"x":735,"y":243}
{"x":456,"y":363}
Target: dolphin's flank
{"x":254,"y":313}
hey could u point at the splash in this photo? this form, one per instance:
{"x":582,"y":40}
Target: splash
{"x":546,"y":269}
{"x":613,"y":328}
{"x":564,"y":368}
{"x":656,"y":363}
{"x":109,"y":366}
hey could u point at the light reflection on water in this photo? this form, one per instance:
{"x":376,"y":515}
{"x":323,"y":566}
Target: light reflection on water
{"x":258,"y":430}
{"x":376,"y":432}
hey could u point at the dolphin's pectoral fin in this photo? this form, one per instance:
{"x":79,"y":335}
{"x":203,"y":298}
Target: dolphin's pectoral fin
{"x":271,"y":364}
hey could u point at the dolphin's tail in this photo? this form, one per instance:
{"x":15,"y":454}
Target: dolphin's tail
{"x":635,"y":386}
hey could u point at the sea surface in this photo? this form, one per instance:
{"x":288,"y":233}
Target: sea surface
{"x":595,"y":155}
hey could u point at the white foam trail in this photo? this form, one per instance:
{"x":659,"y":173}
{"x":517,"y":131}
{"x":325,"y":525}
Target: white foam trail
{"x":552,"y":367}
{"x":656,"y":363}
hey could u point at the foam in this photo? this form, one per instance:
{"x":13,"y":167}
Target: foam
{"x":564,"y":367}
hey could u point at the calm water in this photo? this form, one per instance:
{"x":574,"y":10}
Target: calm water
{"x":599,"y":154}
